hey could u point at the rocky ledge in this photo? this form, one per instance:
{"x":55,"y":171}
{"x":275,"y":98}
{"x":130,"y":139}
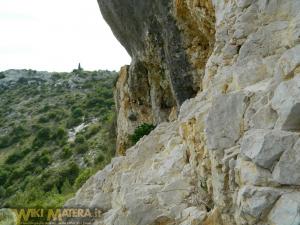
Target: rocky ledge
{"x":232,"y":153}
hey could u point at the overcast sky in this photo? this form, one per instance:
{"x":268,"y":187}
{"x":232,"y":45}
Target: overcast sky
{"x":56,"y":35}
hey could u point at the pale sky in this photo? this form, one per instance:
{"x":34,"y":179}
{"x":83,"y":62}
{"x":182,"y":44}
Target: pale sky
{"x":55,"y":35}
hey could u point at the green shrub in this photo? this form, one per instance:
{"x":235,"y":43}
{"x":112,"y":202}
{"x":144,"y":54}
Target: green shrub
{"x":17,"y":156}
{"x":71,"y":171}
{"x":43,"y":119}
{"x":2,"y":192}
{"x":66,"y":187}
{"x":53,"y":180}
{"x":19,"y":132}
{"x":13,"y":158}
{"x":56,"y":177}
{"x":73,"y":122}
{"x":10,"y":190}
{"x":3,"y":176}
{"x":17,"y":173}
{"x":5,"y":141}
{"x":44,"y":134}
{"x":45,"y":160}
{"x":77,"y":112}
{"x":79,"y":139}
{"x":92,"y":130}
{"x":95,"y":102}
{"x":30,"y":166}
{"x":140,"y":132}
{"x":45,"y":108}
{"x":52,"y":115}
{"x":56,"y":115}
{"x":83,"y":177}
{"x":37,"y":170}
{"x":66,"y":153}
{"x":100,"y":158}
{"x":59,"y":134}
{"x":81,"y":148}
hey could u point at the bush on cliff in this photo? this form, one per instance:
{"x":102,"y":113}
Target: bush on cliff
{"x":140,"y":132}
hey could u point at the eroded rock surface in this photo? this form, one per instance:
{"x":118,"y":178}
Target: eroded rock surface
{"x":231,"y":157}
{"x":169,"y":43}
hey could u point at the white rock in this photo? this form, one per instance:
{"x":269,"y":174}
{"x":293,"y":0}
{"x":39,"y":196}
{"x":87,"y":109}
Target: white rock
{"x":259,"y":113}
{"x":286,"y":210}
{"x":101,"y":201}
{"x":259,"y":44}
{"x":264,"y":118}
{"x":193,"y":216}
{"x":224,"y":120}
{"x":287,"y":63}
{"x":262,"y":86}
{"x":286,"y":102}
{"x":230,"y":154}
{"x":251,"y":174}
{"x":250,"y":72}
{"x":287,"y":169}
{"x":264,"y":147}
{"x":174,"y":193}
{"x":243,"y":3}
{"x":254,"y":202}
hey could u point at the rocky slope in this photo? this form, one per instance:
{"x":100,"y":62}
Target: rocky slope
{"x":232,"y":154}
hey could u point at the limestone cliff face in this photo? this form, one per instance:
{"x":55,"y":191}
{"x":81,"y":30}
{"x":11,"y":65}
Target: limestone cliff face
{"x":169,"y":42}
{"x":232,"y":155}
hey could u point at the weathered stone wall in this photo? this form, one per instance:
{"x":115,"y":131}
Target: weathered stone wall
{"x":233,"y":154}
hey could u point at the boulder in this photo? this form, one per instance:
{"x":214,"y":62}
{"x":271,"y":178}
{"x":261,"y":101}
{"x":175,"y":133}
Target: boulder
{"x":286,"y":210}
{"x":288,"y":63}
{"x":286,"y":102}
{"x":264,"y":147}
{"x":287,"y":169}
{"x":248,"y":173}
{"x":255,"y":202}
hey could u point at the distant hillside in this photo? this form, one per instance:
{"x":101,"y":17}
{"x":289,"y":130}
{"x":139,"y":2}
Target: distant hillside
{"x":56,"y":130}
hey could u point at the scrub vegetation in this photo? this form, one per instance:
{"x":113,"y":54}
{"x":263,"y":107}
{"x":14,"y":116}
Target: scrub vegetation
{"x":55,"y":133}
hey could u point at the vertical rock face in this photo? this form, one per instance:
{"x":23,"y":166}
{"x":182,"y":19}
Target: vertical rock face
{"x":169,"y":42}
{"x":231,"y":157}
